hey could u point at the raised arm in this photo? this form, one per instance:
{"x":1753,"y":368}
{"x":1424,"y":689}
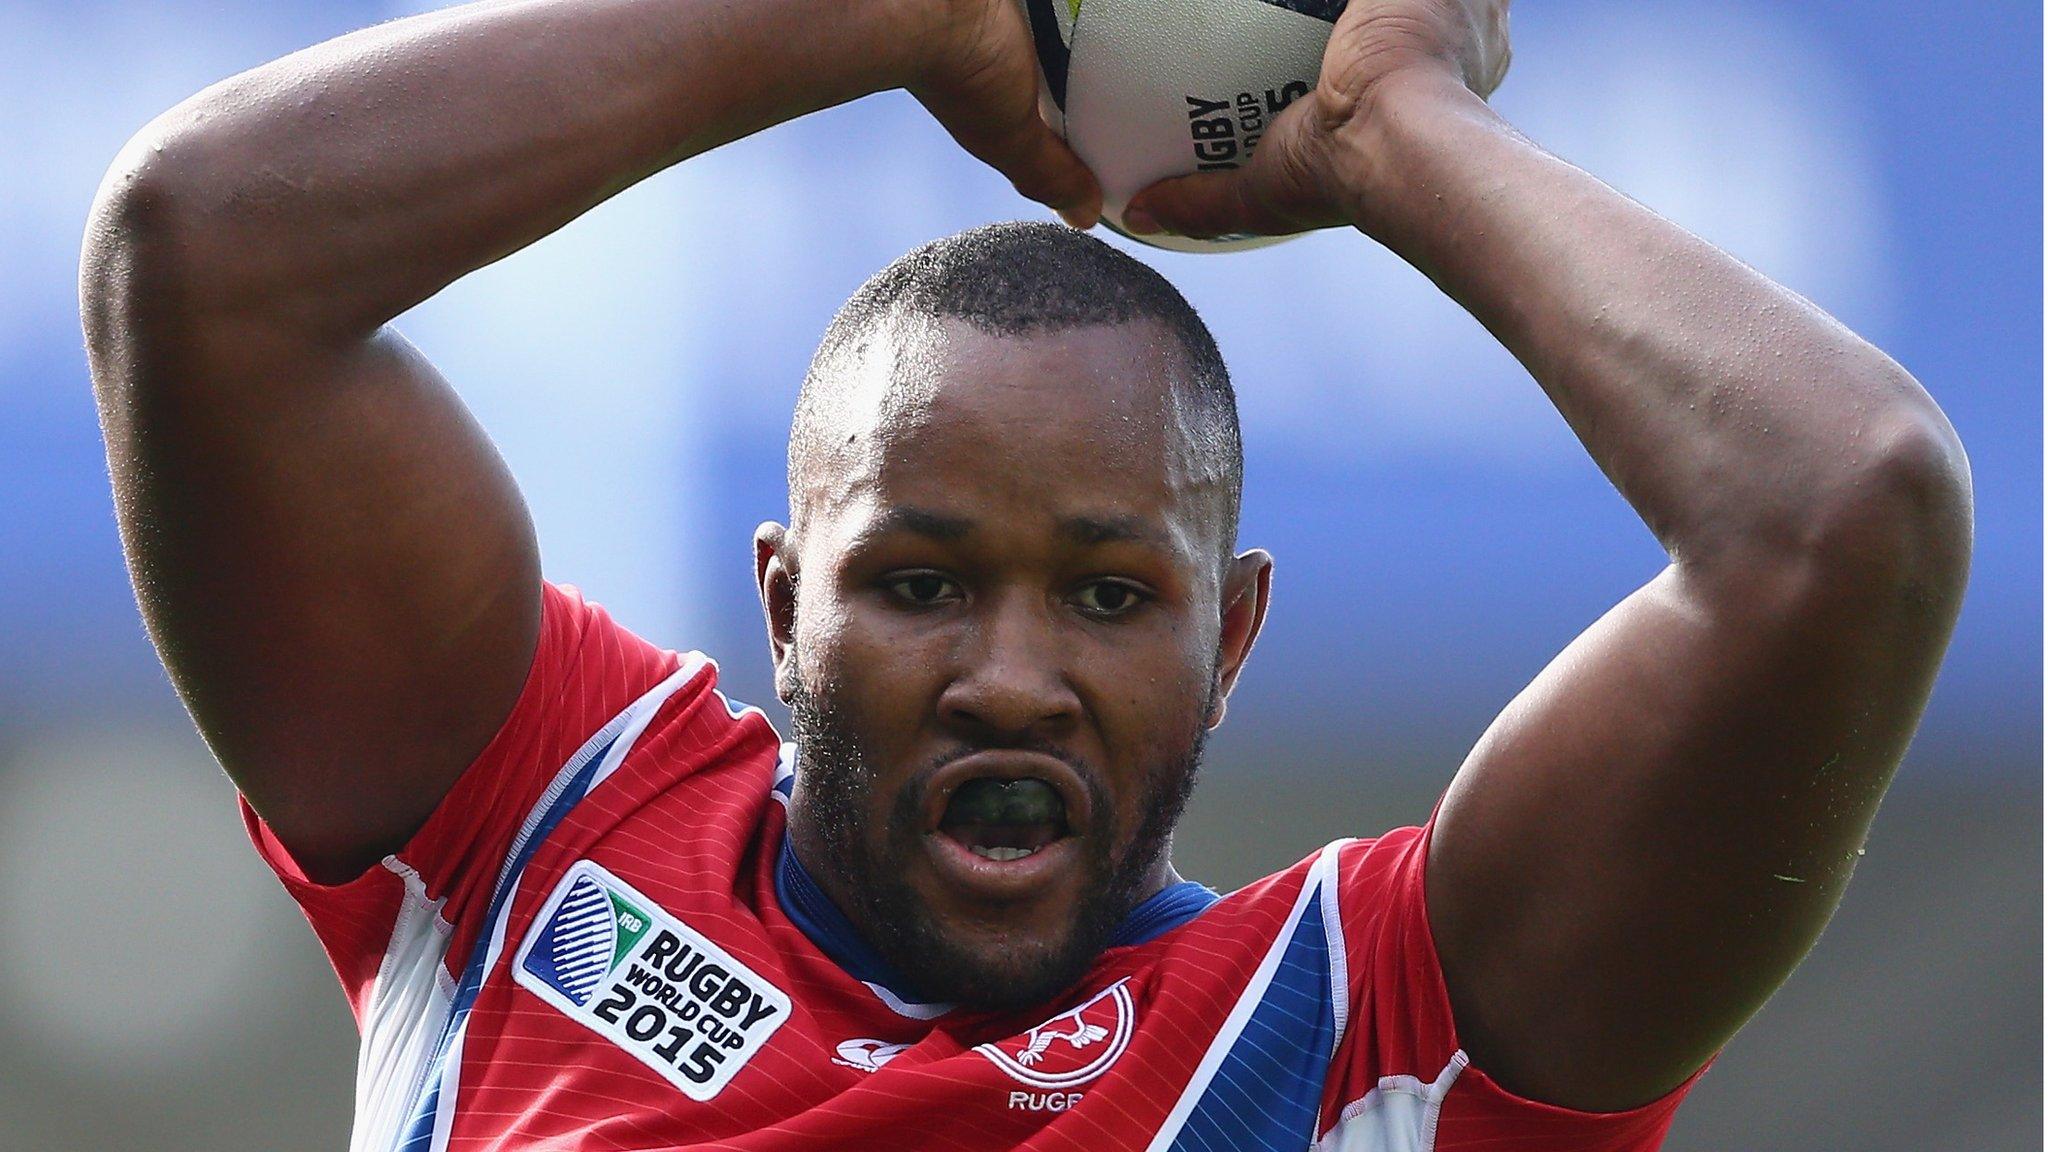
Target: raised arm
{"x":335,"y":565}
{"x":1653,"y":834}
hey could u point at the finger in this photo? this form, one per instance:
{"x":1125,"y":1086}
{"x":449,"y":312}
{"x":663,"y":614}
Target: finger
{"x":1201,"y":206}
{"x":1503,"y":46}
{"x":1043,"y":167}
{"x":1037,"y":162}
{"x":1490,"y":49}
{"x":1278,"y":193}
{"x":1503,"y":57}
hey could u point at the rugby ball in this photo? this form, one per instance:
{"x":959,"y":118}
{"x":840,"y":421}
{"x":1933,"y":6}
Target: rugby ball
{"x":1147,"y":89}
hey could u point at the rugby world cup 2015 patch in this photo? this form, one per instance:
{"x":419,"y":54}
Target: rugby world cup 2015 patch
{"x":615,"y":962}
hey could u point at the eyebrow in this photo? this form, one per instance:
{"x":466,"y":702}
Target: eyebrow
{"x":922,"y":522}
{"x":1090,"y":530}
{"x":1082,"y":530}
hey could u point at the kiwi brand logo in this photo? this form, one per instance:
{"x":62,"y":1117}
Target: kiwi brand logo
{"x":1073,"y":1047}
{"x":868,"y":1055}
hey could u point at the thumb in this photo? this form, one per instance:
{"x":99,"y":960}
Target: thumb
{"x":1203,"y":206}
{"x":1281,"y":191}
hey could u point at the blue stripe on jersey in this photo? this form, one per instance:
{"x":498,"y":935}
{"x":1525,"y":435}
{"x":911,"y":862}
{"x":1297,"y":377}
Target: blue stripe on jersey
{"x":811,"y":910}
{"x":419,"y":1134}
{"x":1266,"y":1092}
{"x":1163,"y":911}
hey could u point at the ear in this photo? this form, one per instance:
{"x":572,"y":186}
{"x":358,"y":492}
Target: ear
{"x":1247,"y":589}
{"x":775,"y":578}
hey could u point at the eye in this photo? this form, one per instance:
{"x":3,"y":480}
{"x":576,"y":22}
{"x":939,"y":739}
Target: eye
{"x":1108,"y":597}
{"x":922,"y":588}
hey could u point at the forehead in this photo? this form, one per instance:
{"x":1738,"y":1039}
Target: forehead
{"x":1031,"y":429}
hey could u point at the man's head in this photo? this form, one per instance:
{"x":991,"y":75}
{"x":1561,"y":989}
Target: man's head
{"x":1006,"y":609}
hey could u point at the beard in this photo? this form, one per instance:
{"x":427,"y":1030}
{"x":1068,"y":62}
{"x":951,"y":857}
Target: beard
{"x":837,"y":775}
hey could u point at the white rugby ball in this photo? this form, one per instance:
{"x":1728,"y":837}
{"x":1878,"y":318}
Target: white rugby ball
{"x":1147,"y":89}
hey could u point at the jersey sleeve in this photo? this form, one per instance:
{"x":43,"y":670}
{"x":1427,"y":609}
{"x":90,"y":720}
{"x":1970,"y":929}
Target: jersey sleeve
{"x":586,"y":671}
{"x":1400,"y":1079}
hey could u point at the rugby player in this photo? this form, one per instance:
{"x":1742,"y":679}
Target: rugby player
{"x":578,"y":899}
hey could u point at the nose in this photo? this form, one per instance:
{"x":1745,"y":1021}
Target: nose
{"x":1011,"y":678}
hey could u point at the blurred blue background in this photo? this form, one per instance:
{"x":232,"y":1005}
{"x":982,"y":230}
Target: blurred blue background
{"x":1439,"y":533}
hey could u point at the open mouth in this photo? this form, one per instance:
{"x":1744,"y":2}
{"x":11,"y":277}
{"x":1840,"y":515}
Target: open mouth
{"x":1004,"y":820}
{"x":1006,"y":824}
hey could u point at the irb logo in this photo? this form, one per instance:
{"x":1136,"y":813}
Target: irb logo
{"x":619,"y":964}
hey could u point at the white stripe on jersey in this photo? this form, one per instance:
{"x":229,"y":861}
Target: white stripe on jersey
{"x":1333,"y":935}
{"x":1255,"y":991}
{"x":406,"y":1013}
{"x":1397,"y":1116}
{"x":413,"y":996}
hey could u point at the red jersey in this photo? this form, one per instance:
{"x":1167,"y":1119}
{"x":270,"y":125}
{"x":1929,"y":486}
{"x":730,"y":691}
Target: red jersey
{"x":600,"y":940}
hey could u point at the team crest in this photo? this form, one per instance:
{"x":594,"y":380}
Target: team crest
{"x":1073,"y":1047}
{"x":617,"y":963}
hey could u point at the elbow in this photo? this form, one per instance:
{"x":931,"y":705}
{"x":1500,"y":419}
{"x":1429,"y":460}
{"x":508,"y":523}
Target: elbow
{"x":1927,"y":469}
{"x":165,"y":270}
{"x":1873,"y":521}
{"x":1892,"y":527}
{"x":136,"y":267}
{"x":1909,"y":510}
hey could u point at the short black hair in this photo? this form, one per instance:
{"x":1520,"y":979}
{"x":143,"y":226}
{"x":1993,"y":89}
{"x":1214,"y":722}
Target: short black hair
{"x":1021,"y":278}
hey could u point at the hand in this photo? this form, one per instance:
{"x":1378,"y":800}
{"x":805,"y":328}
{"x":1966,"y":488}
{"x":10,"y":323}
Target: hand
{"x":980,"y":80}
{"x":1303,"y":173}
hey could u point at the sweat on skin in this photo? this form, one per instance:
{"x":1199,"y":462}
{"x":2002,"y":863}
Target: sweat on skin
{"x":1050,"y":493}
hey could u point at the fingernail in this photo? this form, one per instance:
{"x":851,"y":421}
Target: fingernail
{"x":1139,"y":222}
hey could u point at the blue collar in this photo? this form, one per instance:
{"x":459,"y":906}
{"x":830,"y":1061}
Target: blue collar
{"x":811,"y":910}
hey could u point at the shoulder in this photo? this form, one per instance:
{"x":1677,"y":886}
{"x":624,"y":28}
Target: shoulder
{"x":1354,"y":885}
{"x":622,"y":703}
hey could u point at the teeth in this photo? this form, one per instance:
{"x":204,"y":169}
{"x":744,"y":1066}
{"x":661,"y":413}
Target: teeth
{"x":999,"y":852}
